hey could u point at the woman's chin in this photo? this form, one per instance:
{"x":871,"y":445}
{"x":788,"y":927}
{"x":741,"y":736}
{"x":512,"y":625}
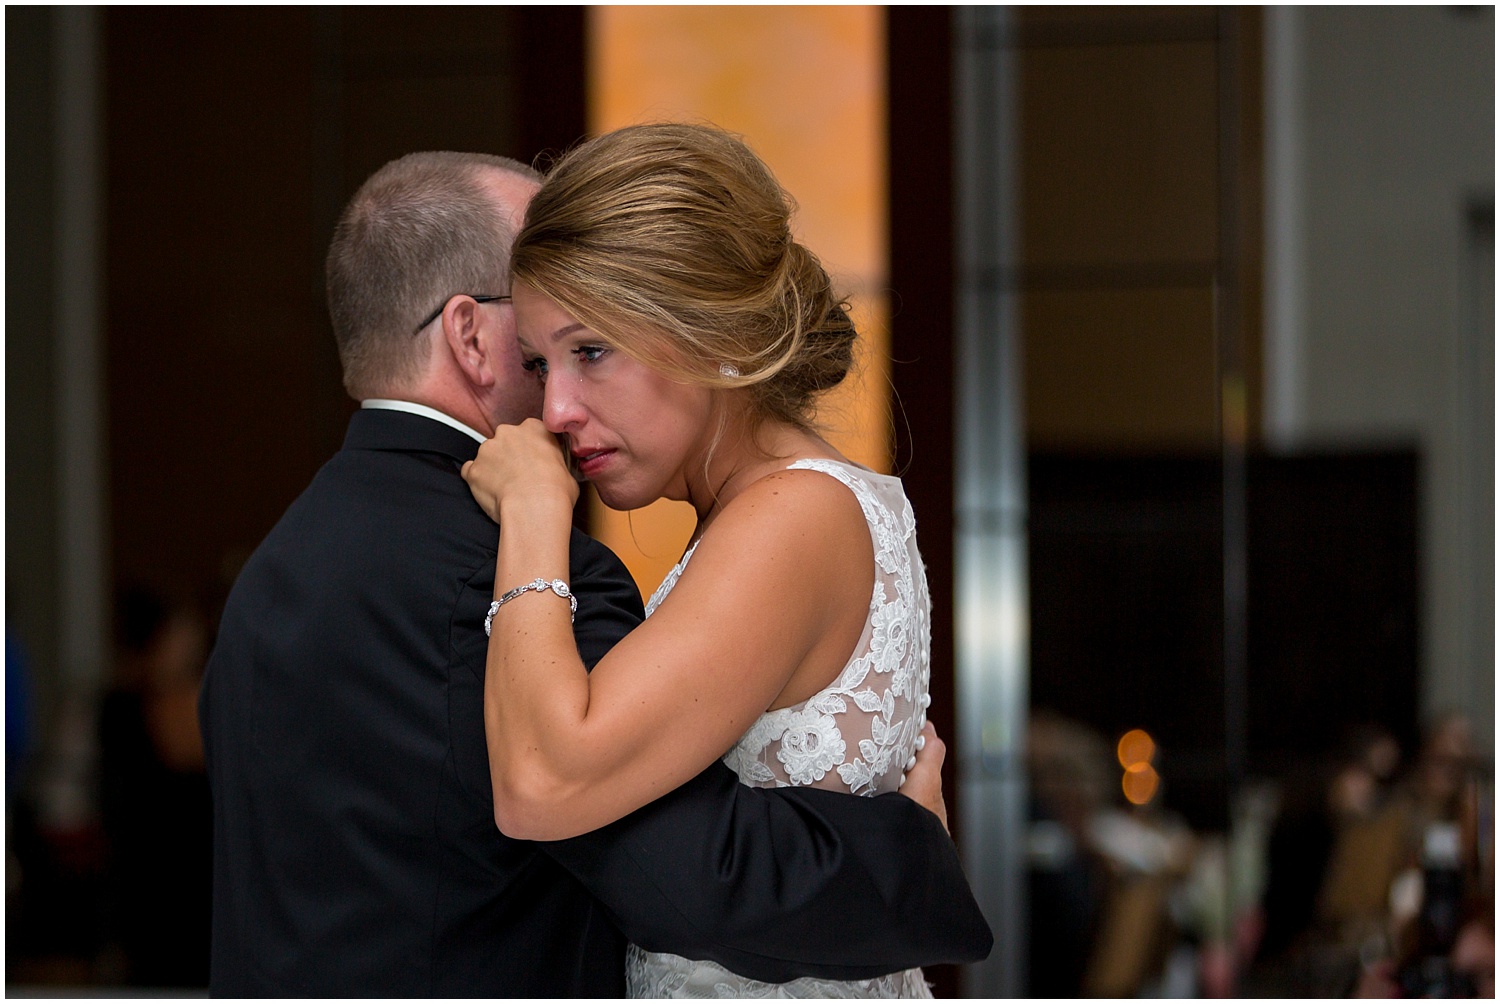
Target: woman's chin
{"x":621,"y":500}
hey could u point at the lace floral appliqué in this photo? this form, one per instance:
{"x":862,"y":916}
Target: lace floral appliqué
{"x":858,"y":734}
{"x":863,"y":726}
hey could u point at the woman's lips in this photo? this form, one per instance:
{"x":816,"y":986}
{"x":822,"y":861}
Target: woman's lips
{"x":591,"y":462}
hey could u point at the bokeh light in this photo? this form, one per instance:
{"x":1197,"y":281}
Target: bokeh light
{"x":1136,"y":746}
{"x":1140,"y":783}
{"x":1135,"y":751}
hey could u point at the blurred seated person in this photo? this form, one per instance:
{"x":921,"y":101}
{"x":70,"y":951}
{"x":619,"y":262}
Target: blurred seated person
{"x":1101,"y":874}
{"x":1347,"y":883}
{"x":154,"y":793}
{"x":1473,"y":955}
{"x":1067,"y":879}
{"x":1437,"y":789}
{"x":1377,"y":869}
{"x":1336,"y":846}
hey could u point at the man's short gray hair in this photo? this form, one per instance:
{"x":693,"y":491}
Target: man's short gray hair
{"x":421,"y":230}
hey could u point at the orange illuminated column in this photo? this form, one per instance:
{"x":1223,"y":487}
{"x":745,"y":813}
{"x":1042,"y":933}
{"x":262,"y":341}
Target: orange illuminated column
{"x":805,"y":87}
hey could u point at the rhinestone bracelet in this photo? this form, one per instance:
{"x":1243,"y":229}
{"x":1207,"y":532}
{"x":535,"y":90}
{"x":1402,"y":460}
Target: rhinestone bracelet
{"x":557,"y":586}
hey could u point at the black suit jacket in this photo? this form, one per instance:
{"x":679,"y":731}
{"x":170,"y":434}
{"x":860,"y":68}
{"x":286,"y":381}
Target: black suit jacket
{"x":355,"y":849}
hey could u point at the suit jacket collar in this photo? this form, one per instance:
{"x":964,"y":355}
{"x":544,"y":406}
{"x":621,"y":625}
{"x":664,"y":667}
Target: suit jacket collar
{"x":380,"y":429}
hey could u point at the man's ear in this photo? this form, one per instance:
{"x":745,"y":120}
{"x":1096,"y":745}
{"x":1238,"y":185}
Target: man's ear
{"x":468,"y":341}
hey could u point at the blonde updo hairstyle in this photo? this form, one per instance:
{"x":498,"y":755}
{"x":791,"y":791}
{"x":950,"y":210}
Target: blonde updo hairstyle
{"x":673,"y":243}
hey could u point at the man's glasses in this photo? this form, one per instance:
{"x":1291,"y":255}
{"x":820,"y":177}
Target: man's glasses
{"x":479,"y":298}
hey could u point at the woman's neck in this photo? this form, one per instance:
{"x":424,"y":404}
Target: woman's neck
{"x":742,"y":457}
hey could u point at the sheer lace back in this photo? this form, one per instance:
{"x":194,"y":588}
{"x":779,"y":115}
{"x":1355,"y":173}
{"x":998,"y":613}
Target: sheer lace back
{"x":859,"y":732}
{"x":857,"y":735}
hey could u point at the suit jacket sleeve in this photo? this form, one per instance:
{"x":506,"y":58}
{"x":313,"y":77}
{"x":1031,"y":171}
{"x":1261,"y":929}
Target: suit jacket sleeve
{"x":609,"y":605}
{"x":770,"y":883}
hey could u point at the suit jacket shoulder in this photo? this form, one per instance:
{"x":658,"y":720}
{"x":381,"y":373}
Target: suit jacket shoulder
{"x":355,"y":845}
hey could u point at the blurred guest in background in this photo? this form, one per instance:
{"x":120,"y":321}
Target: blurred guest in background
{"x":1104,"y":877}
{"x":154,"y":795}
{"x":1442,"y":904}
{"x":1337,"y":808}
{"x":1439,"y":785}
{"x":1067,"y":879}
{"x":1384,"y":888}
{"x":1473,"y":956}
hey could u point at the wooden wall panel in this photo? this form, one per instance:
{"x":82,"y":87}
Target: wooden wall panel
{"x":216,"y":361}
{"x":235,"y":136}
{"x":1119,"y":154}
{"x":1139,"y":170}
{"x":1121,"y":369}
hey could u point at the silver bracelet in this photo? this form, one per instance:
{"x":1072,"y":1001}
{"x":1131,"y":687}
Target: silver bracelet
{"x":557,"y":586}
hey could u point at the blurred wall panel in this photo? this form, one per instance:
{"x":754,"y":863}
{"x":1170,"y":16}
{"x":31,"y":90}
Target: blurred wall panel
{"x":235,"y":136}
{"x":30,"y":434}
{"x":1127,"y":613}
{"x":1119,"y":155}
{"x":1121,"y":222}
{"x":1121,"y":368}
{"x":921,"y":210}
{"x":1385,"y":126}
{"x":1135,"y":278}
{"x":217,"y":359}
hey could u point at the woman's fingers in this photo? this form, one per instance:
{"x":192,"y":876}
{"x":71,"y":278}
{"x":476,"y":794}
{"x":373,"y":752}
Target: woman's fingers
{"x":517,"y":460}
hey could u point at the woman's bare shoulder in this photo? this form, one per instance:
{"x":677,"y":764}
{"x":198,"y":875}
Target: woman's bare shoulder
{"x":792,"y":504}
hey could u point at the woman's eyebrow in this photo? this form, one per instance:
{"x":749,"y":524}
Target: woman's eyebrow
{"x":568,"y":329}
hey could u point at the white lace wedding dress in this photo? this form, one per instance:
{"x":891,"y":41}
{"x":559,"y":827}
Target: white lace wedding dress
{"x":857,"y":735}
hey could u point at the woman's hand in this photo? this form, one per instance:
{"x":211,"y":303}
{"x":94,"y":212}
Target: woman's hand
{"x":520,"y":465}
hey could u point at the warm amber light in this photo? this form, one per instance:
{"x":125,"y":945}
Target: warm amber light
{"x":805,"y":87}
{"x":1140,"y":783}
{"x":1136,"y":747}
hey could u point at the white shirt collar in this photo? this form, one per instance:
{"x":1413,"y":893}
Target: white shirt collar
{"x":412,"y":408}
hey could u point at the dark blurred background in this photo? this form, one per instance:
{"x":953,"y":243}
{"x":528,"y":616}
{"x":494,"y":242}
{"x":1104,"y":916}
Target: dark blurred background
{"x":1192,"y":321}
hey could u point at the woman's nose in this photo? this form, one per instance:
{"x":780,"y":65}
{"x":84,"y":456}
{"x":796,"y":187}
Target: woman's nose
{"x":562,"y":409}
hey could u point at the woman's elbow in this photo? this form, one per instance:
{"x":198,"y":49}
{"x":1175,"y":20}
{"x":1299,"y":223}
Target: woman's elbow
{"x":532,"y":809}
{"x":517,"y":821}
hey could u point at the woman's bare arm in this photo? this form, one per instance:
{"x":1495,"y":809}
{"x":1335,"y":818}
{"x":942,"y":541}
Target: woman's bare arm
{"x":780,"y":582}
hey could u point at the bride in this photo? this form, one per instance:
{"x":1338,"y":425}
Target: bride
{"x":682,"y":336}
